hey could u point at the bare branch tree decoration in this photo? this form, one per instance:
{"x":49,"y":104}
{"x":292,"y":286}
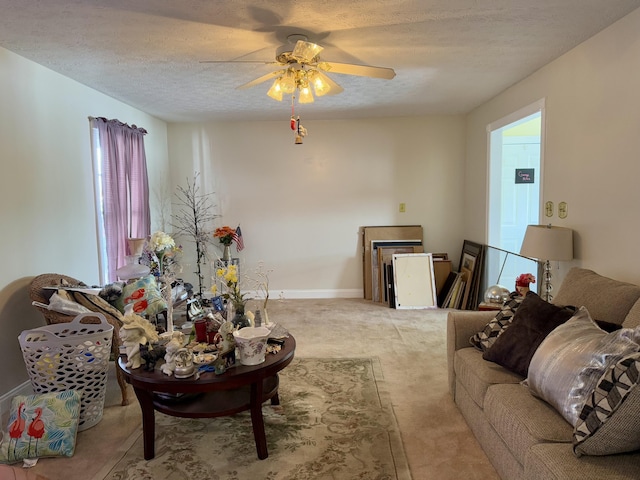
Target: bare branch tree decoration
{"x":194,"y":219}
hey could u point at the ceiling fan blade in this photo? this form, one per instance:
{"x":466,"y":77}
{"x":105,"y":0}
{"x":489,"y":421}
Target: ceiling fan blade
{"x":358,"y":70}
{"x":255,"y":62}
{"x":305,"y":52}
{"x":261,"y":79}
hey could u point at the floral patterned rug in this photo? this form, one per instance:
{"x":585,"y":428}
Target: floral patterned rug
{"x":335,"y":421}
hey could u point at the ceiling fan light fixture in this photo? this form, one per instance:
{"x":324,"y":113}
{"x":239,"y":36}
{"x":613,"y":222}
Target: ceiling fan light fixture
{"x":275,"y":91}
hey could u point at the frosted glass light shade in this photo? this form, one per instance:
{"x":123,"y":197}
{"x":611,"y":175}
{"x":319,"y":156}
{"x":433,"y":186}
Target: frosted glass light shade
{"x":275,"y":91}
{"x":320,"y":84}
{"x":545,"y":242}
{"x":305,"y":95}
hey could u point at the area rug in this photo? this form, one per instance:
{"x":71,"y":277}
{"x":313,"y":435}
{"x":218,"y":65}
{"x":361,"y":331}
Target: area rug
{"x":335,"y":421}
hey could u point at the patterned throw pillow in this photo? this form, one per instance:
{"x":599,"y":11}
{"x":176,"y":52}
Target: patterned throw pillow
{"x":42,"y":425}
{"x":145,"y":296}
{"x":484,"y":339}
{"x":609,"y":422}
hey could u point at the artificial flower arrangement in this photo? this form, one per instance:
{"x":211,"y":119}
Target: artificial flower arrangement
{"x":225,"y":234}
{"x":228,"y":277}
{"x":164,"y":248}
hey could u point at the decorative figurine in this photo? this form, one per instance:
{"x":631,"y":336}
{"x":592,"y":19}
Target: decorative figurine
{"x":172,"y":348}
{"x":151,"y":354}
{"x":226,"y":344}
{"x":135,"y":331}
{"x":132,"y":336}
{"x":522,"y":283}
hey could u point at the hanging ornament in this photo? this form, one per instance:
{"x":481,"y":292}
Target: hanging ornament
{"x":301,"y":132}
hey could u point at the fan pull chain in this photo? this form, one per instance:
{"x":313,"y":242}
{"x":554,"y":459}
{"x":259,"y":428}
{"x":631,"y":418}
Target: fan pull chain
{"x":293,"y":117}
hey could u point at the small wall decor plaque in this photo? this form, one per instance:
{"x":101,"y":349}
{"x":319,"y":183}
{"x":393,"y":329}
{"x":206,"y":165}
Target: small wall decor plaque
{"x":525,"y":175}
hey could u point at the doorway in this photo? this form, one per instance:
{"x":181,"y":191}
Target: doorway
{"x":514,"y":192}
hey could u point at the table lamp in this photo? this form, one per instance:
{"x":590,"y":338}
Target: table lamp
{"x":132,"y":269}
{"x":546,"y":243}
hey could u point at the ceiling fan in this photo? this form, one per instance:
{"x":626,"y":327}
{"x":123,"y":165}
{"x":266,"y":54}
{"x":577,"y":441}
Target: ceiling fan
{"x":304,"y":71}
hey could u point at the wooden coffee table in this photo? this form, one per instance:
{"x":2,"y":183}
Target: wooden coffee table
{"x":240,"y":388}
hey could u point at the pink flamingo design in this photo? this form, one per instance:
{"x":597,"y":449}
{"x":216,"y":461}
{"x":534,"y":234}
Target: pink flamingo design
{"x":16,"y":428}
{"x":36,"y":429}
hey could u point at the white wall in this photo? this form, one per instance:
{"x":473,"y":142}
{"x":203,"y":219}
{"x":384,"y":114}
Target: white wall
{"x":46,"y":188}
{"x":592,"y":148}
{"x":300,"y":207}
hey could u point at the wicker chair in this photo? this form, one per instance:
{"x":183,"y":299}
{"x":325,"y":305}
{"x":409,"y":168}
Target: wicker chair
{"x":39,"y":294}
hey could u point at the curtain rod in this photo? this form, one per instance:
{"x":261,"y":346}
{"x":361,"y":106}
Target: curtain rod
{"x":119,"y":123}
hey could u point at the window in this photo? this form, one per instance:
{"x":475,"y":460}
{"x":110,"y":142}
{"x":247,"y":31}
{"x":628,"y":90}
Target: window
{"x":121,"y":191}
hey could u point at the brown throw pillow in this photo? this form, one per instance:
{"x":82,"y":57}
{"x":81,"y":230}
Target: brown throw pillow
{"x":532,"y":322}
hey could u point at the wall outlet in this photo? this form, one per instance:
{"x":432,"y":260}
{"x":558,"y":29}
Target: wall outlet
{"x":403,"y":208}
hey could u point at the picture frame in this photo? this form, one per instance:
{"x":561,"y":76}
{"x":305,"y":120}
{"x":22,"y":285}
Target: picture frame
{"x":414,"y":281}
{"x":471,"y":259}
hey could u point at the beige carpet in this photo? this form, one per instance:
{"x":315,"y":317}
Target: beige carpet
{"x":410,"y":347}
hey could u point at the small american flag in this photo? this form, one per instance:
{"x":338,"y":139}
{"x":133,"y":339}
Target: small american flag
{"x":237,"y":237}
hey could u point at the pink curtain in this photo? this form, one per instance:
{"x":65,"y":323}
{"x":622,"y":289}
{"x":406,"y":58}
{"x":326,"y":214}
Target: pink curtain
{"x":125,"y":188}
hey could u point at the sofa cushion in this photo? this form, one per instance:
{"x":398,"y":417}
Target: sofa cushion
{"x":523,"y":420}
{"x":532,"y":322}
{"x":606,"y":299}
{"x":487,"y":336}
{"x":569,"y":362}
{"x":632,"y":320}
{"x":546,"y":461}
{"x":477,"y":375}
{"x":609,"y":422}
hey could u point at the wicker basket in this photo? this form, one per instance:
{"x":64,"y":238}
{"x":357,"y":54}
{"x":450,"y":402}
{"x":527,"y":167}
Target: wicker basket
{"x":71,"y":356}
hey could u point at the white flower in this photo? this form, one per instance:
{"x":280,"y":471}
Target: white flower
{"x":160,"y":242}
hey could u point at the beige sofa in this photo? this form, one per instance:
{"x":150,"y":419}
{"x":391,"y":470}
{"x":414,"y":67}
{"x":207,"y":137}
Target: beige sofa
{"x":523,"y":436}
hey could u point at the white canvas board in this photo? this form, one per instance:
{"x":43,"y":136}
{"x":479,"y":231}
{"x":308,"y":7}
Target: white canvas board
{"x":414,"y":280}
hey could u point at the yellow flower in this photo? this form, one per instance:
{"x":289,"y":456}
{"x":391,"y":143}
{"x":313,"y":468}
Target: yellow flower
{"x":214,"y":289}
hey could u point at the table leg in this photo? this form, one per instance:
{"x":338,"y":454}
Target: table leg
{"x":257,"y":421}
{"x":148,"y":421}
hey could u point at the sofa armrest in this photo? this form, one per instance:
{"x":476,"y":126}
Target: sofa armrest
{"x":461,"y":326}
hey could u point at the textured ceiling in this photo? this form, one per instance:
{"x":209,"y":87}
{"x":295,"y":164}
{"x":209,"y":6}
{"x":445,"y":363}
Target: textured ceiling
{"x":449,"y":55}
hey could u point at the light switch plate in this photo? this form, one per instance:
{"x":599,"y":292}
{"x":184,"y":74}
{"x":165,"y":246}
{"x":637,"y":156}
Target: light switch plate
{"x":563,"y":210}
{"x":548,"y":209}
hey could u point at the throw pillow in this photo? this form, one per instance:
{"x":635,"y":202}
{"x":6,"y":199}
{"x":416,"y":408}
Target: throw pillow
{"x":609,"y":422}
{"x":484,"y":339}
{"x":41,"y":425}
{"x":145,"y":296}
{"x":531,"y":323}
{"x":565,"y":369}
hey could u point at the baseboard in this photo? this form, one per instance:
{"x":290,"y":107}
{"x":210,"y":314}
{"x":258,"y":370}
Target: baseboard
{"x":299,"y":294}
{"x":5,"y":400}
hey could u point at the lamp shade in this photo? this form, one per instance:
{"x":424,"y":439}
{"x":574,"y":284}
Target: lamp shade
{"x":545,"y":242}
